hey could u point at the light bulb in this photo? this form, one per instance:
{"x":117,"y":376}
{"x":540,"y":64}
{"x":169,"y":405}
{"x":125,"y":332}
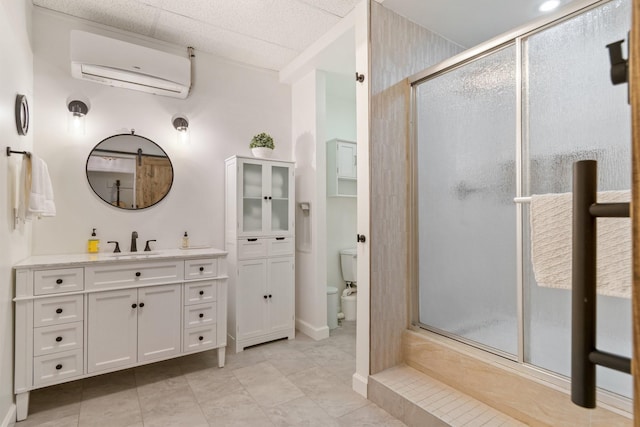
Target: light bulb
{"x":549,"y":5}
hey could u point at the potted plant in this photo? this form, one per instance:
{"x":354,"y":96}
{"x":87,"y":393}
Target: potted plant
{"x":262,"y":145}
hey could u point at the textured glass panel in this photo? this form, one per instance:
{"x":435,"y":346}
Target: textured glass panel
{"x":280,"y":198}
{"x":466,"y":183}
{"x":251,"y":197}
{"x":575,"y":113}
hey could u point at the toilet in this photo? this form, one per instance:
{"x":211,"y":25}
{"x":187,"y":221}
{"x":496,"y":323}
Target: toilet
{"x":348,"y":265}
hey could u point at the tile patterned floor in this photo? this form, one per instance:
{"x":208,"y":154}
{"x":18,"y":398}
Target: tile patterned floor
{"x":301,"y":382}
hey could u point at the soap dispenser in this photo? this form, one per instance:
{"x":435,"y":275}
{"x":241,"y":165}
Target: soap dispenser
{"x":93,"y":244}
{"x":185,"y":241}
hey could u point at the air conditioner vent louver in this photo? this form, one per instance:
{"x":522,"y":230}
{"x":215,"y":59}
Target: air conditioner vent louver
{"x":108,"y":61}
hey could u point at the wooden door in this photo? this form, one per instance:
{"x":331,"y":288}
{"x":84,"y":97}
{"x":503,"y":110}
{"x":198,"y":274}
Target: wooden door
{"x":634,"y":90}
{"x":154,"y":176}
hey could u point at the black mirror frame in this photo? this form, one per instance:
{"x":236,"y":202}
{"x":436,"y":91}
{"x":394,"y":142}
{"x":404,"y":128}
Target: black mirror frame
{"x":139,"y":153}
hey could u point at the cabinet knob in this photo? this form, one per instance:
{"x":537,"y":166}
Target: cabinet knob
{"x":265,"y":297}
{"x":270,"y":295}
{"x":138,"y":274}
{"x":58,"y":339}
{"x":201,"y":315}
{"x":269,"y":197}
{"x":201,"y":268}
{"x":58,"y":310}
{"x":58,"y":366}
{"x":265,"y":197}
{"x":141,"y":304}
{"x":59,"y":281}
{"x":134,"y":305}
{"x":201,"y":292}
{"x":200,"y":338}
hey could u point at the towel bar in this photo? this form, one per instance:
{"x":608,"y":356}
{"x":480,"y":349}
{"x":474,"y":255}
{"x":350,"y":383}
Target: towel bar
{"x":9,"y":151}
{"x":522,"y":199}
{"x":584,"y":355}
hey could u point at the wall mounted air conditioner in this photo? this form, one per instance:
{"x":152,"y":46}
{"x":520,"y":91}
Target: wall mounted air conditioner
{"x":117,"y":63}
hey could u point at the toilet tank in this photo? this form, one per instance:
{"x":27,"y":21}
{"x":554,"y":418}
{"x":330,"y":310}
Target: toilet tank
{"x":348,"y":264}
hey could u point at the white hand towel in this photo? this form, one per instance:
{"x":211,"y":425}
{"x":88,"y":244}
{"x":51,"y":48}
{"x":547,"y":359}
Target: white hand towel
{"x":551,"y":244}
{"x":41,"y":196}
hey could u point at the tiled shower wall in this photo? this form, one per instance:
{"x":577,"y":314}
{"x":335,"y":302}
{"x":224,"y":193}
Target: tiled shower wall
{"x":399,"y":49}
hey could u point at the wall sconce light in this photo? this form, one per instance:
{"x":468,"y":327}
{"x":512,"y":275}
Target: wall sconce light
{"x":181,"y":125}
{"x":77,"y":111}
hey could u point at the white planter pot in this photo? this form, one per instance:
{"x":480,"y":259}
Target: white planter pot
{"x":262,"y":152}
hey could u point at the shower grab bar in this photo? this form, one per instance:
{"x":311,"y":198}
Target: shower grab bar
{"x":584,"y":355}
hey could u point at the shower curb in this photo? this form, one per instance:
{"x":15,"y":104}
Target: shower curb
{"x":419,"y":400}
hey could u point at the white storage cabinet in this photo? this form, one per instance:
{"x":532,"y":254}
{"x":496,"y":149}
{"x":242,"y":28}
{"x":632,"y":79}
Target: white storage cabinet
{"x":342,"y":171}
{"x":259,"y":240}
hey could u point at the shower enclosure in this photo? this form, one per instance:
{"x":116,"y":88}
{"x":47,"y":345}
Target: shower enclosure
{"x":492,"y":127}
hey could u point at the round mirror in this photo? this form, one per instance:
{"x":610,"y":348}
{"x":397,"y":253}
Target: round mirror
{"x":129,"y":171}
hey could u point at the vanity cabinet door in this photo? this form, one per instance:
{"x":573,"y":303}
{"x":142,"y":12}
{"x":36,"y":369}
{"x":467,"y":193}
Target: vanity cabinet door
{"x":112,"y":329}
{"x":158,"y":322}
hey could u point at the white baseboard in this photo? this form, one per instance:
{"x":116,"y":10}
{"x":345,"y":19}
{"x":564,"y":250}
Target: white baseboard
{"x":10,"y":418}
{"x":315,"y":333}
{"x":359,"y":384}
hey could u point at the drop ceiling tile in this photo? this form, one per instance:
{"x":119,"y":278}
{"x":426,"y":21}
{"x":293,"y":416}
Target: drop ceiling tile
{"x":337,"y":7}
{"x":123,"y":14}
{"x":288,"y":23}
{"x":185,"y":31}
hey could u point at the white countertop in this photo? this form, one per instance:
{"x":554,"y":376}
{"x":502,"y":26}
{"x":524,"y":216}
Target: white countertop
{"x":66,"y":260}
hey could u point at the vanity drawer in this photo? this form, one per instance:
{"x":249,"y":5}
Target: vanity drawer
{"x":53,"y":368}
{"x":199,"y":338}
{"x":57,"y":310}
{"x":200,"y":292}
{"x":57,"y":281}
{"x":134,"y":274}
{"x":280,"y":246}
{"x":199,"y":315}
{"x":200,"y":268}
{"x":57,"y":338}
{"x":251,"y":248}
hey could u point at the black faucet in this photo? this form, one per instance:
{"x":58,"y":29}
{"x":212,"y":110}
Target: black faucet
{"x":134,"y":236}
{"x":146,"y":247}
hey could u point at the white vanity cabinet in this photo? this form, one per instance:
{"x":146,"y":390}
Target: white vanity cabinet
{"x":83,"y":315}
{"x":259,"y":240}
{"x":128,"y":326}
{"x":341,"y":168}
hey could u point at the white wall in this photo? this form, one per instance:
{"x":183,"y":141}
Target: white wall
{"x":341,"y":211}
{"x":229,"y":104}
{"x":308,"y":106}
{"x":16,"y":72}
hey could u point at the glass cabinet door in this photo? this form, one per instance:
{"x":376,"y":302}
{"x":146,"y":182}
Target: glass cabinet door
{"x":266,"y":198}
{"x":280,"y":198}
{"x":251,"y":198}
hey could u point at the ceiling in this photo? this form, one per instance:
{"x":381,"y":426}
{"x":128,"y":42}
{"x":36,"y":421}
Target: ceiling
{"x":271,"y":33}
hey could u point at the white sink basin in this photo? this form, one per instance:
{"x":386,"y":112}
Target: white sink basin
{"x":133,"y":255}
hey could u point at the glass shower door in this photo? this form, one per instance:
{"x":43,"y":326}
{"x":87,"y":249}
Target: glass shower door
{"x":466,"y":151}
{"x":574,"y":113}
